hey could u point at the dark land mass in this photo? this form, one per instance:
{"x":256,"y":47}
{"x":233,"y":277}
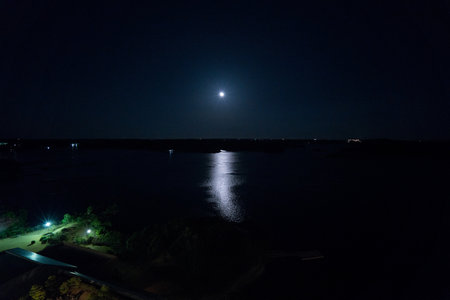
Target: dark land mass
{"x":368,"y":147}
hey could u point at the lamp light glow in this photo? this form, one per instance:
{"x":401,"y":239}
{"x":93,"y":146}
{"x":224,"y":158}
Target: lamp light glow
{"x":48,"y":224}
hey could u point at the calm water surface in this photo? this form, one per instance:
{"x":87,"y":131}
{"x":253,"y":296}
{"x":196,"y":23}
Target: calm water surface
{"x":384,"y":218}
{"x":305,"y":186}
{"x":234,"y":185}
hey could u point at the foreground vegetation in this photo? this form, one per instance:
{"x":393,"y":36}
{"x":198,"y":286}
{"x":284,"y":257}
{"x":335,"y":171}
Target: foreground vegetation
{"x":14,"y":223}
{"x":183,"y":257}
{"x":90,"y":229}
{"x":86,"y":229}
{"x":63,"y":287}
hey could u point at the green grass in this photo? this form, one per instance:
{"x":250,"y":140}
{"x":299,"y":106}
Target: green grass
{"x":23,"y":241}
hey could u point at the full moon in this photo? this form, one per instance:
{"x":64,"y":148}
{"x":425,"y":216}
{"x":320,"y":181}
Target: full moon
{"x":221,"y":94}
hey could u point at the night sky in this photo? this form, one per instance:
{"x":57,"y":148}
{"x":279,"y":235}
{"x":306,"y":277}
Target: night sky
{"x":321,"y":69}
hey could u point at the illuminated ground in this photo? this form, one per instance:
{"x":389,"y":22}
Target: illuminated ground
{"x":24,"y":241}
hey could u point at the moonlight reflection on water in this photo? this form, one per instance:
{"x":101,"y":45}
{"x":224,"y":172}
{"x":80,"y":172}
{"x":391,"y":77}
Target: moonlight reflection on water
{"x":221,"y":183}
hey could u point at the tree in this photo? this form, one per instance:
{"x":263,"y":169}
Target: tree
{"x":89,"y":210}
{"x":37,"y":292}
{"x":104,"y":289}
{"x":104,"y":292}
{"x":111,"y":210}
{"x":74,"y":282}
{"x":64,"y":288}
{"x":51,"y":286}
{"x":67,"y":219}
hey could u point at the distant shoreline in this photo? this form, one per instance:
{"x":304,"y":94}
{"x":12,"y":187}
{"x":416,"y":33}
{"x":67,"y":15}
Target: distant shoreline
{"x":173,"y":146}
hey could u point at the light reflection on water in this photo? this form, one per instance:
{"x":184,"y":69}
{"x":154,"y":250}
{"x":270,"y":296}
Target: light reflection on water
{"x":221,"y":184}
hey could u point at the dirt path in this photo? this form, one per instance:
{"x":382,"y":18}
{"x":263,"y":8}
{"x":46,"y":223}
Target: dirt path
{"x":24,"y":241}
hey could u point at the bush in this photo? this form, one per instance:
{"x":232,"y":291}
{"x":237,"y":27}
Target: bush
{"x":55,"y":239}
{"x":46,"y":237}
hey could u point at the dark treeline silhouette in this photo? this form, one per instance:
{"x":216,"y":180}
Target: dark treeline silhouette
{"x":368,"y":147}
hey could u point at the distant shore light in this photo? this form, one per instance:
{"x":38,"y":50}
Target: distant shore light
{"x":221,"y":94}
{"x":353,"y":141}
